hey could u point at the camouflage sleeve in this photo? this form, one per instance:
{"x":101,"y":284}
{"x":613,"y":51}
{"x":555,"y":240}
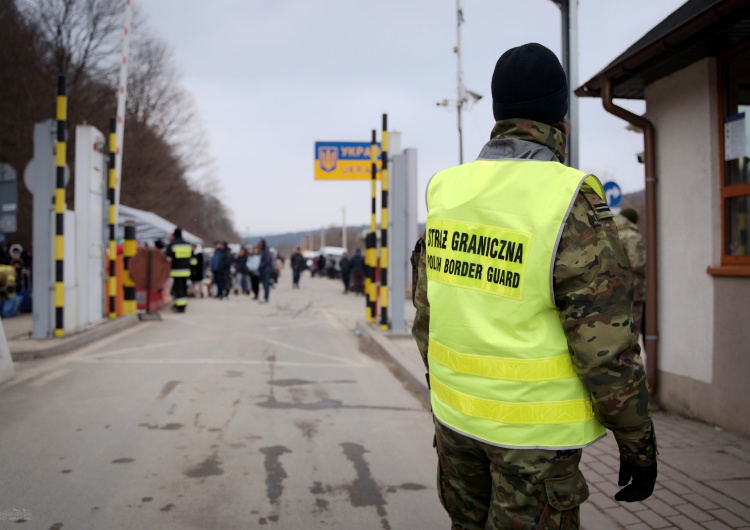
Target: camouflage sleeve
{"x":635,"y":252}
{"x":421,"y":327}
{"x":594,"y":296}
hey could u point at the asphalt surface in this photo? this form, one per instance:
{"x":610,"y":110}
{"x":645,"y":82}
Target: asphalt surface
{"x":235,"y":414}
{"x":239,"y":415}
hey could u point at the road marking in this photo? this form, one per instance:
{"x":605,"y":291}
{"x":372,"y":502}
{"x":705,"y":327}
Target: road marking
{"x":306,"y":351}
{"x":214,"y":322}
{"x":50,"y":377}
{"x":140,"y":347}
{"x":309,"y":352}
{"x":219,"y":362}
{"x":42,"y":366}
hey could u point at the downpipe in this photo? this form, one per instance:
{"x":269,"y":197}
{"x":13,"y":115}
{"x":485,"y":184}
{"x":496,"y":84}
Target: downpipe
{"x":652,"y":308}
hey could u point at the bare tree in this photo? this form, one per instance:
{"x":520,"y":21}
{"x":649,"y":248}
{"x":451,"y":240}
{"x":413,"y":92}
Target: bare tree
{"x":23,"y":82}
{"x":77,"y":37}
{"x":156,"y":98}
{"x":167,"y":168}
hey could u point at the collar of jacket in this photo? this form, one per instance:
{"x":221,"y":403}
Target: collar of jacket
{"x":525,"y":139}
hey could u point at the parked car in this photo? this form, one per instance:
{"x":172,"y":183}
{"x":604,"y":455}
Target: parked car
{"x":333,"y":260}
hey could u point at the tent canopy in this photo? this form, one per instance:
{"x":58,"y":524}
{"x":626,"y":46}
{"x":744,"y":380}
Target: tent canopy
{"x":150,"y":227}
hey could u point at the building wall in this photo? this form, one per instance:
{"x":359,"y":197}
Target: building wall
{"x":704,"y":336}
{"x":724,"y":402}
{"x":732,"y":353}
{"x":682,"y":108}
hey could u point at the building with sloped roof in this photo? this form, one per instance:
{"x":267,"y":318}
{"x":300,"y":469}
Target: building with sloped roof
{"x":693,"y":72}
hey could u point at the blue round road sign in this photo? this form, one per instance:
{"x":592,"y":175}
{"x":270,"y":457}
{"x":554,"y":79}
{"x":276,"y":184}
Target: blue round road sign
{"x":613,"y":194}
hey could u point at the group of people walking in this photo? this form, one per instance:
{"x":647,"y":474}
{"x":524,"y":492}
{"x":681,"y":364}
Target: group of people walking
{"x":248,"y":270}
{"x":351,"y":270}
{"x":244,"y":272}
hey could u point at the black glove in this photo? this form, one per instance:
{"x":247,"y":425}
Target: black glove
{"x":642,"y":485}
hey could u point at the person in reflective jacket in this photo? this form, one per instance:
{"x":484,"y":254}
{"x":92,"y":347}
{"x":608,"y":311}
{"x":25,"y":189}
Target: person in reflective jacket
{"x":524,"y":319}
{"x":180,"y":252}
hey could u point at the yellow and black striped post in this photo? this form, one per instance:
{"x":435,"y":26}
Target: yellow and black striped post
{"x":384,"y":324}
{"x":371,"y":244}
{"x":128,"y":287}
{"x":62,"y":117}
{"x":111,"y":185}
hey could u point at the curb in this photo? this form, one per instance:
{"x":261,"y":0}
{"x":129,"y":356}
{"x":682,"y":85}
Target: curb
{"x":375,"y":344}
{"x":60,"y":346}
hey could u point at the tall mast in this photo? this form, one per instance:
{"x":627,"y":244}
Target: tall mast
{"x":460,"y":89}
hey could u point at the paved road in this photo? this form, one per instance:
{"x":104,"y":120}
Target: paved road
{"x":233,"y":415}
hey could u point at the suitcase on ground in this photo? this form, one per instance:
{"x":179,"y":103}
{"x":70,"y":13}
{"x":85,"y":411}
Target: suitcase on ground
{"x":10,"y":307}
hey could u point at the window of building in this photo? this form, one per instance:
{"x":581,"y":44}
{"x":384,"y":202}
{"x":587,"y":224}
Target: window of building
{"x":735,"y":186}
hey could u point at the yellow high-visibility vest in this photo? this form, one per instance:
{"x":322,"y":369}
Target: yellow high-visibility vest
{"x":500,"y":370}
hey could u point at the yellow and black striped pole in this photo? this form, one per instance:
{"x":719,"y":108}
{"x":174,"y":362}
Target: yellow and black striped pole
{"x":62,"y":117}
{"x":384,"y":324}
{"x":370,"y":246}
{"x":111,"y":185}
{"x":128,"y":287}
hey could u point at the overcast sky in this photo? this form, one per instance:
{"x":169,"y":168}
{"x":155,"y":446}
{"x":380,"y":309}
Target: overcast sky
{"x":270,"y":78}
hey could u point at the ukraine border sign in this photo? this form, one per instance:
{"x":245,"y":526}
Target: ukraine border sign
{"x":344,"y":161}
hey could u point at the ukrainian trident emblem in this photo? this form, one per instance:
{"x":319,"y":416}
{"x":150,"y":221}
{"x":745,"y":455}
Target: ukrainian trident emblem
{"x":328,"y":156}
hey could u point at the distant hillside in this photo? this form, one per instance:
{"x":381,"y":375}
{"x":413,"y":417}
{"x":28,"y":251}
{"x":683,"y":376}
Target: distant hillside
{"x":286,"y":243}
{"x":311,"y":239}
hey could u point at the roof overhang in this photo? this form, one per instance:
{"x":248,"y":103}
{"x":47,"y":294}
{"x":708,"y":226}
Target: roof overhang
{"x":698,"y":29}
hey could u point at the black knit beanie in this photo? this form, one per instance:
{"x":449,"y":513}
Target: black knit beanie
{"x":529,"y":83}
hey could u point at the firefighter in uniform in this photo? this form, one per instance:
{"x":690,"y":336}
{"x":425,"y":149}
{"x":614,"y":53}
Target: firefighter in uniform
{"x":524,"y":319}
{"x":181,"y":254}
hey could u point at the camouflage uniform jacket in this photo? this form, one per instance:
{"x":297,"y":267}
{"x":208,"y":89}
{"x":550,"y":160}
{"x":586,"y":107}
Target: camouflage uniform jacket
{"x":632,"y":242}
{"x":593,"y":293}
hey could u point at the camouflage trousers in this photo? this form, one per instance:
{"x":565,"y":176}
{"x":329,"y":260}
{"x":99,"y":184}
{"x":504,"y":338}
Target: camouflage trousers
{"x":485,"y":487}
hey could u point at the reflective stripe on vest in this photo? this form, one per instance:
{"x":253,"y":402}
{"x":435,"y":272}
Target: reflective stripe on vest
{"x":550,"y":368}
{"x":182,"y":253}
{"x":500,"y":369}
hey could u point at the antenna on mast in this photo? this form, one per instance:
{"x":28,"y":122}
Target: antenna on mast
{"x":464,"y":95}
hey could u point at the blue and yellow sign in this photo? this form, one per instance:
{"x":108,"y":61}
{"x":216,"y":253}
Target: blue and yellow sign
{"x":344,"y":161}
